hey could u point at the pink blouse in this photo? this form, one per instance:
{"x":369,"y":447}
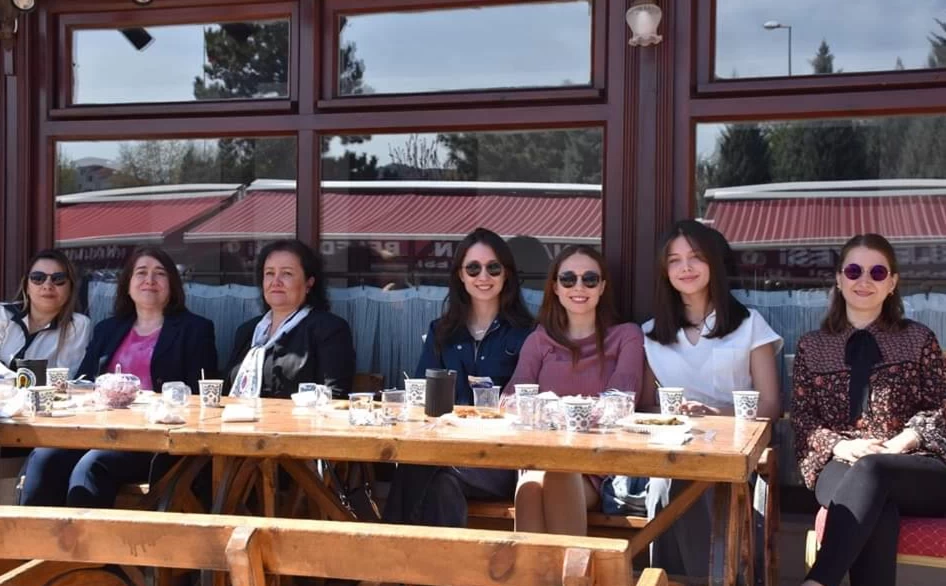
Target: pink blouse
{"x":134,"y":354}
{"x":544,"y":361}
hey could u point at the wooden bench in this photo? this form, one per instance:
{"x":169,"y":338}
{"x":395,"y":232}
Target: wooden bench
{"x":922,"y":541}
{"x":249,"y":548}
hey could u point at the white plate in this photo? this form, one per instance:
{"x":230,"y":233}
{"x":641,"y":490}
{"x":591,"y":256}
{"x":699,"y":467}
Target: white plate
{"x":639,"y":423}
{"x":454,"y":419}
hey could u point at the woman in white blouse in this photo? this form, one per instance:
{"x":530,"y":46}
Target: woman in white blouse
{"x":42,"y":323}
{"x":706,"y":341}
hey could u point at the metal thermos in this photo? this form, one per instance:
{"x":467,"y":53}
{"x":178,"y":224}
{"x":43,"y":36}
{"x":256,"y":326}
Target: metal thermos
{"x":441,"y":385}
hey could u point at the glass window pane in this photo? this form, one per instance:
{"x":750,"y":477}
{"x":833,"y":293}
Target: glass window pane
{"x":211,"y":204}
{"x":787,"y":195}
{"x":766,"y":38}
{"x":395,"y":205}
{"x":181,"y":63}
{"x":527,"y":45}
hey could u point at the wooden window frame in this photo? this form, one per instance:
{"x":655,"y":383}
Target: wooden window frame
{"x":64,"y":109}
{"x":706,"y":85}
{"x":329,"y":99}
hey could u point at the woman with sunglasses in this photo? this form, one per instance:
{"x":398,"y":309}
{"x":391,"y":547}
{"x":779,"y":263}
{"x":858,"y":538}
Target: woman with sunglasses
{"x":153,"y":336}
{"x":579,"y":348}
{"x":43,"y":323}
{"x":483,"y":327}
{"x":704,"y":340}
{"x":869,"y":415}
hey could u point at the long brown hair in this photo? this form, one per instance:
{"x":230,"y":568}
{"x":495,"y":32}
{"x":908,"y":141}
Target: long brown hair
{"x":125,"y":306}
{"x":891,"y":313}
{"x":669,"y":313}
{"x":554,"y":318}
{"x":458,"y":304}
{"x":64,"y":317}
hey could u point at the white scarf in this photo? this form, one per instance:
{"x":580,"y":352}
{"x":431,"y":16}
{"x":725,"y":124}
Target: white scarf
{"x":249,"y":379}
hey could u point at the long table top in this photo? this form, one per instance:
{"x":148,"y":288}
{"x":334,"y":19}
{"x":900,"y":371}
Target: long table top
{"x":723,"y":449}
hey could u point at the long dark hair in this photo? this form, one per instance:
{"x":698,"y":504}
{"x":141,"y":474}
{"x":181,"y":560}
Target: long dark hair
{"x":891,"y":314}
{"x":64,"y":317}
{"x":554,"y":318}
{"x":125,"y":306}
{"x":457,"y":305}
{"x":670,"y":314}
{"x":311,"y":261}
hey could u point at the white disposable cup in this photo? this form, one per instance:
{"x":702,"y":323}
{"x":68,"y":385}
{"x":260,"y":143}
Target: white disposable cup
{"x":210,"y":392}
{"x":746,"y":405}
{"x":671,"y":400}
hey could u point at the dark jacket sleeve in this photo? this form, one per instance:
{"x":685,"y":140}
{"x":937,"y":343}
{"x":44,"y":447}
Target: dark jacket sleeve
{"x":428,"y":356}
{"x":335,"y":351}
{"x":200,"y":352}
{"x":96,"y":349}
{"x":241,"y":345}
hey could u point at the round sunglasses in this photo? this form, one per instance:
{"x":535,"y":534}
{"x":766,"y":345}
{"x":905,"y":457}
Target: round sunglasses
{"x":494,"y":268}
{"x":39,"y":277}
{"x":569,"y":279}
{"x":877,"y":273}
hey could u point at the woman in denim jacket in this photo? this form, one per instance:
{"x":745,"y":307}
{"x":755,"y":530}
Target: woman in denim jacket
{"x":483,"y":326}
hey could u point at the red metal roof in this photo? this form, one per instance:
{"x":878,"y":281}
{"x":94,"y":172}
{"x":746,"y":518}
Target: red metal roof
{"x":408,"y":216}
{"x":128,"y":221}
{"x":755,"y":223}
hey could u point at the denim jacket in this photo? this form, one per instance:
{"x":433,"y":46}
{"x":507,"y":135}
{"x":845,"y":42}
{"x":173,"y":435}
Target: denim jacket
{"x":494,"y":356}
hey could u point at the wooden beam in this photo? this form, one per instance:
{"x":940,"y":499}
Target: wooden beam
{"x":414,"y":555}
{"x":577,"y":570}
{"x":245,"y":557}
{"x":666,"y":517}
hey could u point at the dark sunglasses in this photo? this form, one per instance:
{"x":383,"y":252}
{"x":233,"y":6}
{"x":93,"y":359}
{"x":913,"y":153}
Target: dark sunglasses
{"x":569,"y":279}
{"x":39,"y":277}
{"x":494,"y":268}
{"x":877,"y":272}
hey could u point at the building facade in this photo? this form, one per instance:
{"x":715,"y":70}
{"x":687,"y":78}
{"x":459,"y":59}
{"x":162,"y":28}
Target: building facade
{"x":383,"y":130}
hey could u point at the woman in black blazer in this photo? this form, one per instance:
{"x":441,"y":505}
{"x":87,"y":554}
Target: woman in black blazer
{"x":297,"y":340}
{"x":153,"y":336}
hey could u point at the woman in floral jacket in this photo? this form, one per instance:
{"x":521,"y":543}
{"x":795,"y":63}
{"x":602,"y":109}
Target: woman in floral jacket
{"x":868,"y":412}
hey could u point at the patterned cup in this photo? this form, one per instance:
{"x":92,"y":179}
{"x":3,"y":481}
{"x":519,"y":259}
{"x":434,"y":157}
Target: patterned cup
{"x":416,"y":397}
{"x":746,"y":404}
{"x":210,"y":391}
{"x":57,"y":377}
{"x":671,"y":400}
{"x":578,"y":413}
{"x":41,"y":400}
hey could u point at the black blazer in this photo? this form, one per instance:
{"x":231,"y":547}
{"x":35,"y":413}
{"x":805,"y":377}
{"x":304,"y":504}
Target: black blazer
{"x":318,"y":350}
{"x":184,"y":347}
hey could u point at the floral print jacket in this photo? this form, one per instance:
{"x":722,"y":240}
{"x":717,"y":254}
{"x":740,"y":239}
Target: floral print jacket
{"x":907,"y":389}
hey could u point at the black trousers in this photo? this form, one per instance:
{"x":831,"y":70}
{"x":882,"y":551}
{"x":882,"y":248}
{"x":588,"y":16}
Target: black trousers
{"x":864,"y":503}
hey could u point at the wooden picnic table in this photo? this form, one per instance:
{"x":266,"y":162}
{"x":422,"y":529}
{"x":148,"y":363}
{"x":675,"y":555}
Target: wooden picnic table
{"x":723,"y":453}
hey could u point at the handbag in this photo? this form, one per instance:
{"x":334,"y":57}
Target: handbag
{"x":352,"y":485}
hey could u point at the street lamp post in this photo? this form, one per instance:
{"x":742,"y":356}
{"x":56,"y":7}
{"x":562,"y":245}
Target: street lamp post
{"x":771,"y":25}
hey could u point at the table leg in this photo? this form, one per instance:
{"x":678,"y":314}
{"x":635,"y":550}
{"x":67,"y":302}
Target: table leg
{"x":726,"y":539}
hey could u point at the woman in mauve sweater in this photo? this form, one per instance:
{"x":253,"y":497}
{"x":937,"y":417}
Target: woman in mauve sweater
{"x":577,"y":349}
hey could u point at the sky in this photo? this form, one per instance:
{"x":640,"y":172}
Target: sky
{"x":528,"y":44}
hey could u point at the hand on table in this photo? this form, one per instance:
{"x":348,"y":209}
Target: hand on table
{"x":697,"y":408}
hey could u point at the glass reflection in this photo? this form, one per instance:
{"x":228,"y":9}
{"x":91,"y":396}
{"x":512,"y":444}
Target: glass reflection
{"x":534,"y":44}
{"x":181,"y":63}
{"x":394,"y":206}
{"x":817,"y":38}
{"x":788,"y":194}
